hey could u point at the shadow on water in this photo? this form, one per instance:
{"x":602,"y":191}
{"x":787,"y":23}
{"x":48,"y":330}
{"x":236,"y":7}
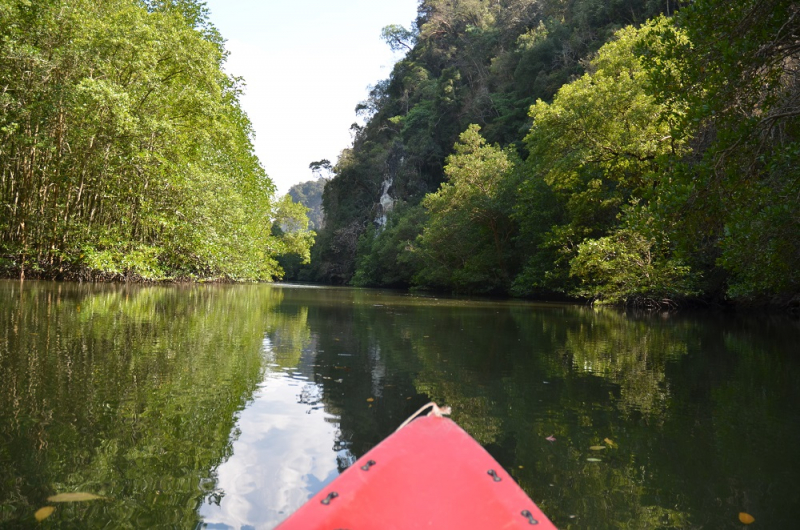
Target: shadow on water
{"x":228,"y":406}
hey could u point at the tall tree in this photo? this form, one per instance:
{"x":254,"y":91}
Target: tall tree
{"x":123,"y":148}
{"x":735,"y":94}
{"x":466,"y":241}
{"x":601,"y":149}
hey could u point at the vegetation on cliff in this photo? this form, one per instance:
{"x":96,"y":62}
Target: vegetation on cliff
{"x":626,"y":151}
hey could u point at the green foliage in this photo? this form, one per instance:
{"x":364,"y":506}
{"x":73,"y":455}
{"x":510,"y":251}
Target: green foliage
{"x":398,"y":38}
{"x":598,"y":146}
{"x":388,"y":256}
{"x":465,"y":243}
{"x":628,"y":267}
{"x":598,"y":139}
{"x":345,"y":201}
{"x":733,"y":93}
{"x":539,"y":211}
{"x":659,"y":157}
{"x":296,"y":238}
{"x":467,"y":62}
{"x":761,"y":239}
{"x":123,"y":148}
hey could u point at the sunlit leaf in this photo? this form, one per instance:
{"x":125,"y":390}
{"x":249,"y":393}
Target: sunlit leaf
{"x":609,"y":442}
{"x":43,"y":513}
{"x":597,"y":447}
{"x":73,"y":497}
{"x":593,"y":460}
{"x":746,"y":518}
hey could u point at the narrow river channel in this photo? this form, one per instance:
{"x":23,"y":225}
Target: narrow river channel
{"x":227,"y":406}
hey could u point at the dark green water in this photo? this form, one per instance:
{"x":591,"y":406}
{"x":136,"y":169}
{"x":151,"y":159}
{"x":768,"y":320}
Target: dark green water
{"x":228,"y":406}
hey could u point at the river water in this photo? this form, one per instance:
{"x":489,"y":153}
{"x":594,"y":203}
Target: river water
{"x":227,"y":406}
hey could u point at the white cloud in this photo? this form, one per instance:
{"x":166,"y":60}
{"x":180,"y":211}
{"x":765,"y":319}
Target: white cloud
{"x":282,"y":456}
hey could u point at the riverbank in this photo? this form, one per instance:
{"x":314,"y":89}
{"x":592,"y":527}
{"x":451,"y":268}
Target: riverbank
{"x":82,"y":274}
{"x":787,"y":304}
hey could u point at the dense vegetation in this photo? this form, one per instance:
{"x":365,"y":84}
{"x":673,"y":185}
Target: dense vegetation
{"x":622,"y":151}
{"x":124,"y":151}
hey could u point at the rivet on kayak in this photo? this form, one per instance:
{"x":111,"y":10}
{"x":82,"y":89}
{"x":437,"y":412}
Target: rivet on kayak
{"x":327,"y":500}
{"x":494,"y":475}
{"x":369,"y":464}
{"x":529,"y":515}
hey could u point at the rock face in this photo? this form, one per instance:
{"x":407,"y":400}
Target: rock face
{"x":394,"y":186}
{"x":385,"y":203}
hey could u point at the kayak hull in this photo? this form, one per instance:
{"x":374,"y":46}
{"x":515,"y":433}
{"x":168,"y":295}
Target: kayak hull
{"x":429,"y":474}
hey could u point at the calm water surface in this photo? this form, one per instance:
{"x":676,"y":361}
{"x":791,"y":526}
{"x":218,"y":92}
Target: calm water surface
{"x":228,"y":406}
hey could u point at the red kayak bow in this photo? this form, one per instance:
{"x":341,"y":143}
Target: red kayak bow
{"x":429,"y":474}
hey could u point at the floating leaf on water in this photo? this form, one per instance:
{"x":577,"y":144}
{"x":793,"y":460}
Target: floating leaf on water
{"x":609,"y":442}
{"x":370,"y":400}
{"x":551,"y":438}
{"x":746,"y":518}
{"x":77,"y":496}
{"x":43,"y":513}
{"x":597,"y":447}
{"x":593,"y":460}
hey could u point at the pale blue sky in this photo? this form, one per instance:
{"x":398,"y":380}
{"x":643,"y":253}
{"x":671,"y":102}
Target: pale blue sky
{"x":307,"y":64}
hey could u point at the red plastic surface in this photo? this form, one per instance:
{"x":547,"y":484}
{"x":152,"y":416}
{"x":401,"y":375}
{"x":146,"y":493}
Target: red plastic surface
{"x":430,"y":474}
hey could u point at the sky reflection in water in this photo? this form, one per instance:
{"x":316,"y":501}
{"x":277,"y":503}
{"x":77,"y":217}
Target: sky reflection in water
{"x":282,"y":456}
